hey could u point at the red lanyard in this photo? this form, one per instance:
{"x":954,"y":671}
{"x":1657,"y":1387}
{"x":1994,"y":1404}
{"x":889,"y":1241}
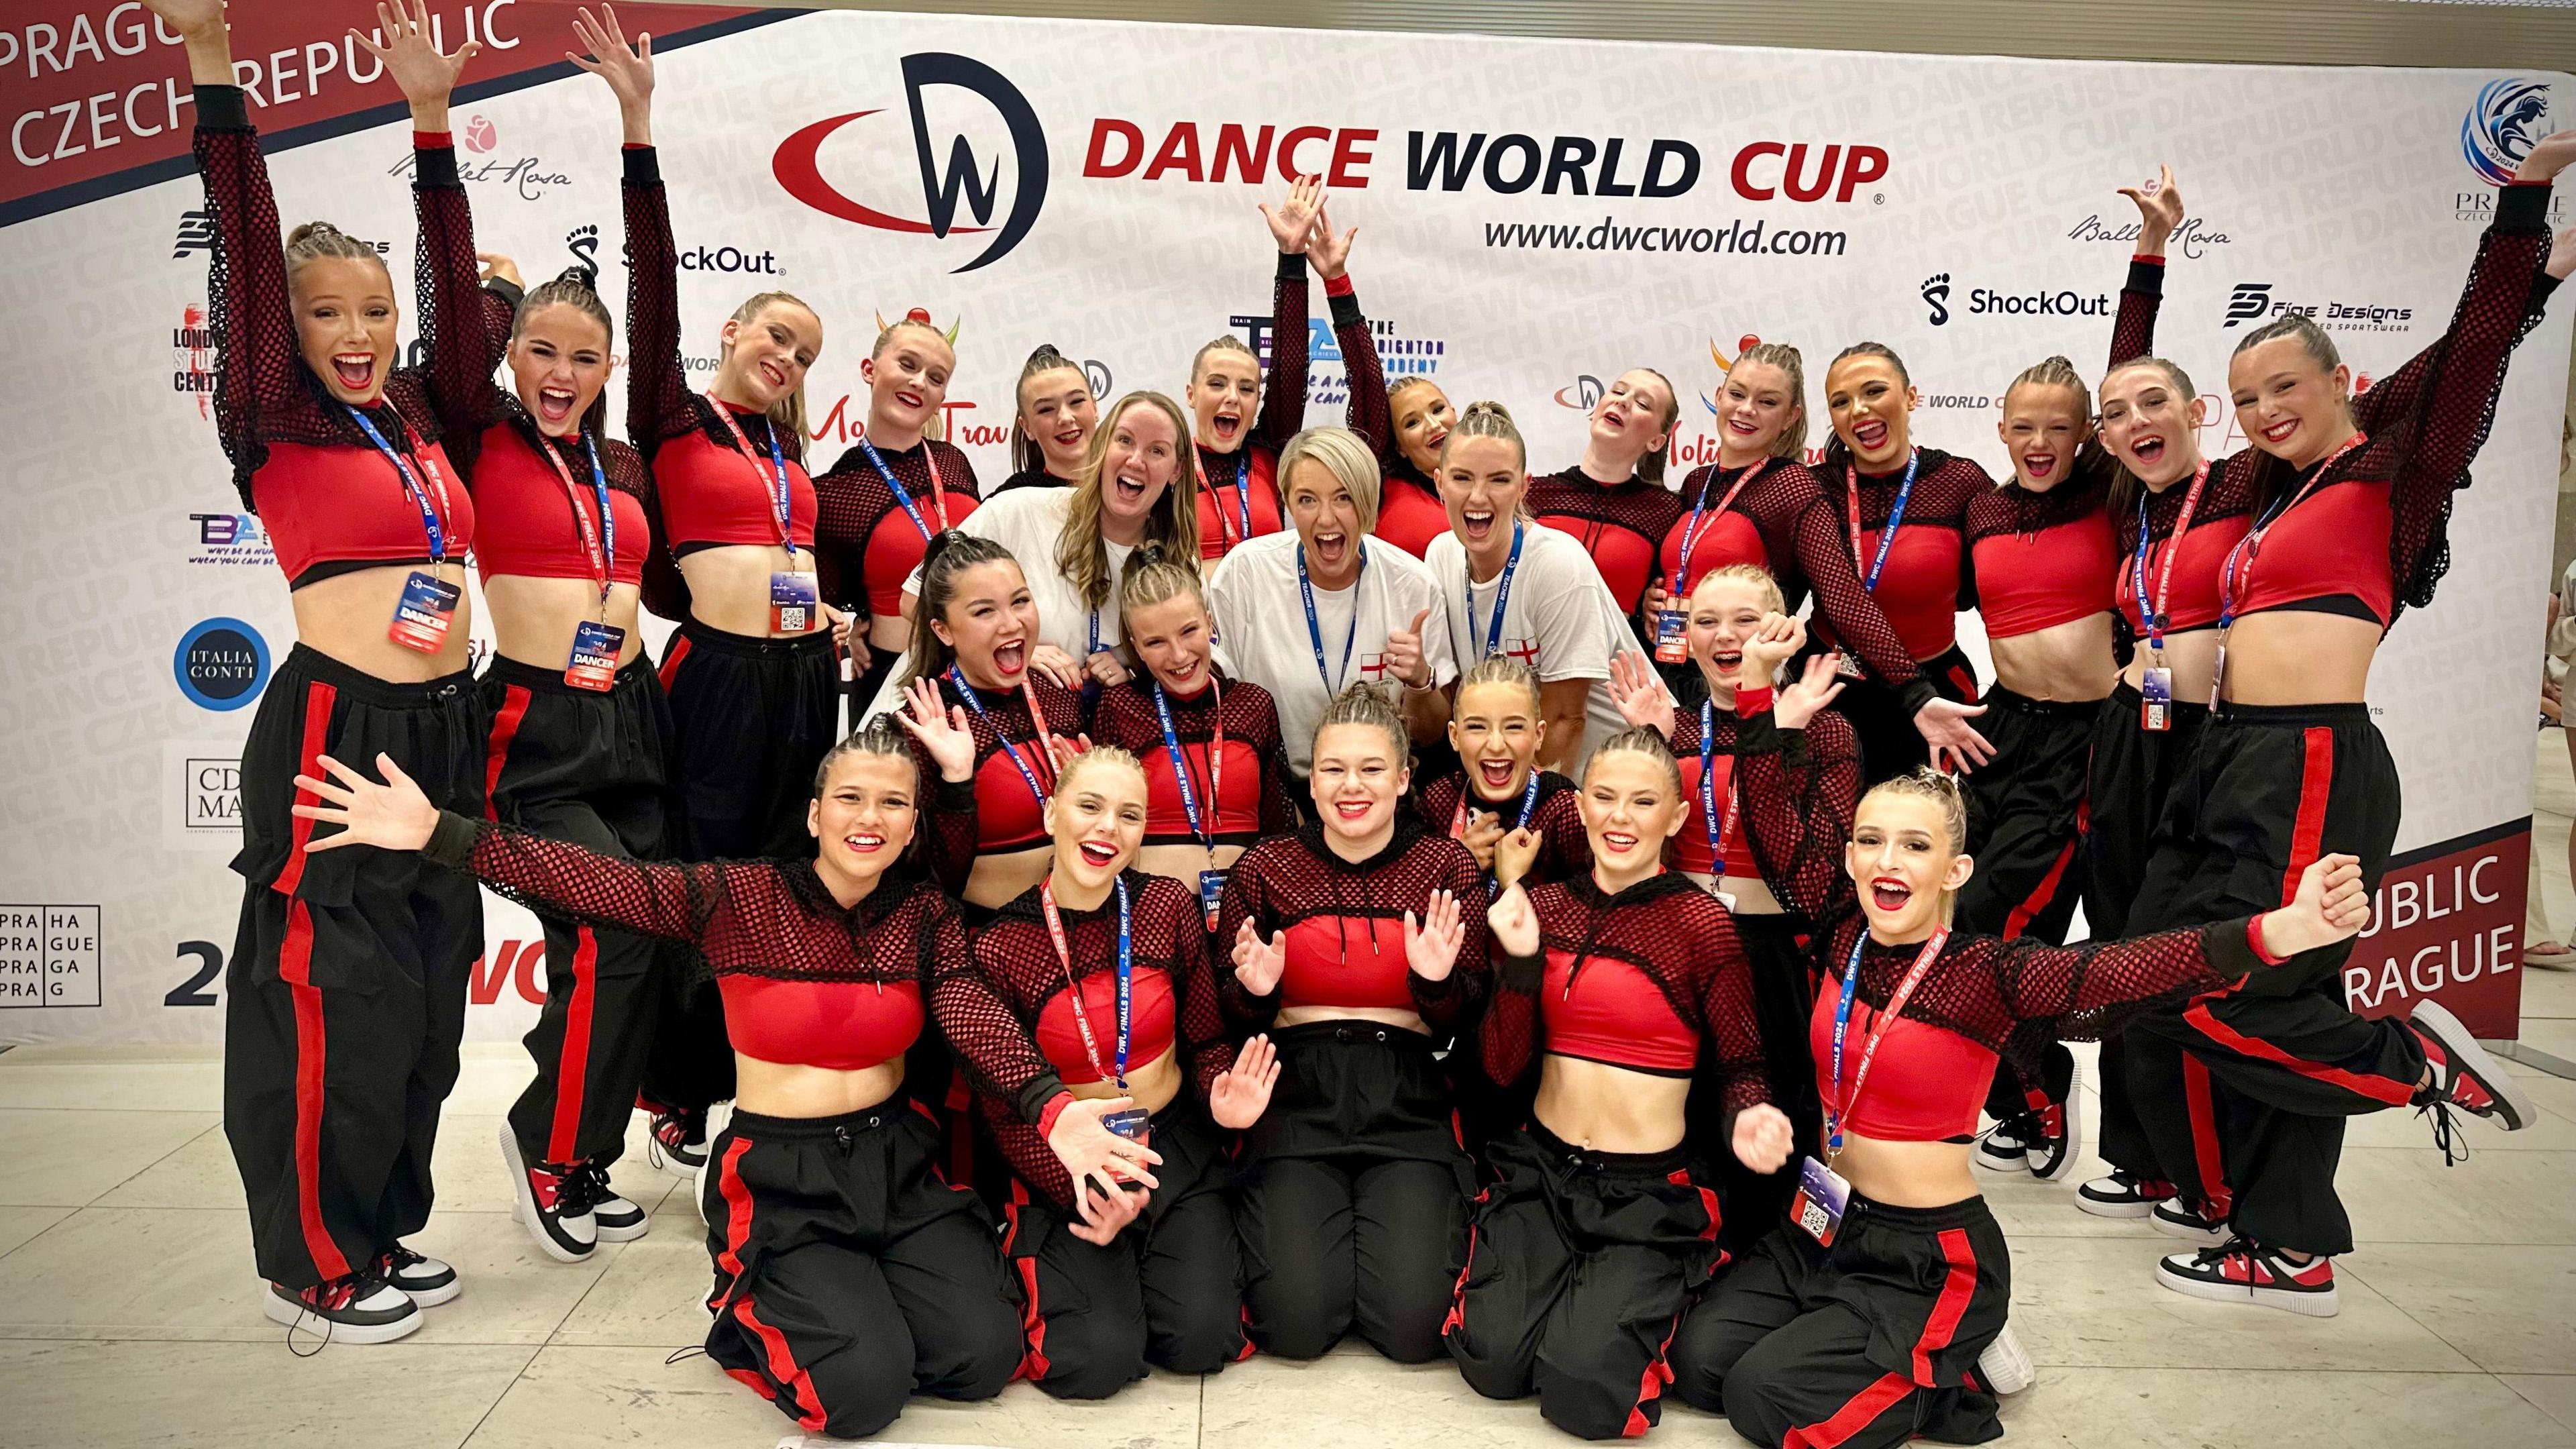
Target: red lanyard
{"x":1694,"y":529}
{"x":782,"y":495}
{"x":1839,"y":1105}
{"x":600,"y":546}
{"x":2155,"y":621}
{"x":2250,"y":547}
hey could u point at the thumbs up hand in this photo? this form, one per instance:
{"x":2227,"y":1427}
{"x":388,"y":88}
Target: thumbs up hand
{"x":1404,"y":654}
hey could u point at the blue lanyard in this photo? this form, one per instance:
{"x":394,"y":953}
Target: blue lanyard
{"x":1895,"y":518}
{"x":1502,"y":595}
{"x":976,"y":703}
{"x":1692,"y":530}
{"x":1315,"y":626}
{"x":938,"y":498}
{"x":1073,"y":988}
{"x":1181,"y":764}
{"x":1717,"y":833}
{"x":1838,"y":1104}
{"x":781,"y":498}
{"x":429,"y":520}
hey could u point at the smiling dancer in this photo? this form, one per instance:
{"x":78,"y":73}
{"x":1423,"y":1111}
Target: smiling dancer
{"x":1613,"y":501}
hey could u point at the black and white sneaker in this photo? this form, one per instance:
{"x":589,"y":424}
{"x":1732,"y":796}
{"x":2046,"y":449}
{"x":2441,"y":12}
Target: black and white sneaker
{"x":2180,"y":1219}
{"x":428,"y":1281}
{"x":2003,"y":1148}
{"x":679,"y":1142}
{"x":2006,"y":1365}
{"x":2123,"y":1194}
{"x":2053,"y":1133}
{"x":2238,"y":1271}
{"x":551,"y":1203}
{"x":615,"y":1219}
{"x":358,"y":1308}
{"x":2464,"y":1076}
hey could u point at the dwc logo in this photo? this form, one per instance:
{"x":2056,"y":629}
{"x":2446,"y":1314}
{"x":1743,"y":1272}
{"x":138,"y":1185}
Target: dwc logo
{"x":961,"y":175}
{"x":2504,"y":120}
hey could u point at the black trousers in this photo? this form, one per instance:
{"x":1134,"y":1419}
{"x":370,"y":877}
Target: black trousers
{"x":848,"y":1276}
{"x":592,"y":768}
{"x":344,"y":999}
{"x":1783,"y":997}
{"x":753,"y":718}
{"x":1167,"y":1291}
{"x":1889,"y":742}
{"x":2133,"y":772}
{"x":1351,"y":1194}
{"x":1863,"y":1345}
{"x":1579,"y":1266}
{"x":2265,"y":792}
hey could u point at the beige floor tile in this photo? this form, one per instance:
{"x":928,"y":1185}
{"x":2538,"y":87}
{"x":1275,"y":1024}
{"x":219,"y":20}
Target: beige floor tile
{"x":65,"y":1054}
{"x":490,"y":1076}
{"x":2555,"y":1394}
{"x":18,"y":1224}
{"x":1345,"y":1400}
{"x":2509,"y":1310}
{"x":513,"y":1293}
{"x":67,"y":1159}
{"x":2407,"y":1196}
{"x":653,"y":1293}
{"x":577,"y":1398}
{"x":185,"y":1086}
{"x":2549,"y":995}
{"x":248,"y":1395}
{"x":2103,"y":1408}
{"x":2557,"y":1095}
{"x":2555,"y":1035}
{"x":2090,"y":1303}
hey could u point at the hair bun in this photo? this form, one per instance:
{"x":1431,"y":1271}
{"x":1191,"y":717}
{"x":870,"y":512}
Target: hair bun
{"x":1146,"y":556}
{"x":1486,"y":408}
{"x":939,"y":543}
{"x":586,"y":276}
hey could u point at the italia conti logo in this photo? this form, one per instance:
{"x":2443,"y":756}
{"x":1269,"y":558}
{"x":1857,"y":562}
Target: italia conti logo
{"x":2501,"y":124}
{"x":221,"y":664}
{"x":959,"y":176}
{"x":2253,"y":302}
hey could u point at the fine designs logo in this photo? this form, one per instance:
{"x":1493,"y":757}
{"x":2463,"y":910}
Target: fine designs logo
{"x":221,"y":664}
{"x":968,"y":176}
{"x":1936,"y":295}
{"x":2501,"y":124}
{"x":2254,"y":302}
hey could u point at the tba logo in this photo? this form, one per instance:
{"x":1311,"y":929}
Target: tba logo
{"x":2496,"y":134}
{"x":2254,"y":302}
{"x":226,"y":540}
{"x":798,"y":162}
{"x":221,"y":664}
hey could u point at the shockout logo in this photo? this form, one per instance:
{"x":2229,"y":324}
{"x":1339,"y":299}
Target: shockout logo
{"x":529,"y":177}
{"x":966,"y":177}
{"x":1987,"y":302}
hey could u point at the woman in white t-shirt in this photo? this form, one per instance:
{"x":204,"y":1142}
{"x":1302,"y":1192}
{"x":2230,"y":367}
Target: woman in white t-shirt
{"x":1135,"y":487}
{"x":1519,"y":588}
{"x":1304,"y":613}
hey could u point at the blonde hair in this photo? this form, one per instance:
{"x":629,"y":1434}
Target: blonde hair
{"x":1155,"y":577}
{"x":1222,"y":342}
{"x":1651,"y":466}
{"x":311,"y":241}
{"x":1343,"y":455}
{"x":1638,"y":741}
{"x":1792,"y":442}
{"x":1094,"y":758}
{"x":1486,"y":419}
{"x":937,"y":427}
{"x":2273,"y":475}
{"x":2057,"y":372}
{"x":1926,"y":783}
{"x":787,"y":415}
{"x":1026,"y":455}
{"x":1363,"y":703}
{"x":1081,"y":555}
{"x":1500,"y":669}
{"x":1747,"y":573}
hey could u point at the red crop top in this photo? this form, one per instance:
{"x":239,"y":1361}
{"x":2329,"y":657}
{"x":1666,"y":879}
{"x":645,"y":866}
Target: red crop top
{"x":1238,"y":812}
{"x":1221,"y":505}
{"x":528,"y":525}
{"x":1608,"y":1011}
{"x":2191,"y":598}
{"x":1919,"y":589}
{"x":1342,"y":961}
{"x":840,"y":1026}
{"x":1730,"y":538}
{"x":1926,"y":1085}
{"x":1622,"y":525}
{"x":1410,"y":513}
{"x":2027,"y":582}
{"x":332,"y":510}
{"x":1150,"y":1026}
{"x":1255,"y":777}
{"x":711,"y":495}
{"x":864,"y":533}
{"x":2328,"y":553}
{"x":1008,"y":817}
{"x":1341,"y":924}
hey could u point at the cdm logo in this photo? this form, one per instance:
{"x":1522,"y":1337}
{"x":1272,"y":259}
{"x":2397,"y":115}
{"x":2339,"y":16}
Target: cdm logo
{"x":952,"y":171}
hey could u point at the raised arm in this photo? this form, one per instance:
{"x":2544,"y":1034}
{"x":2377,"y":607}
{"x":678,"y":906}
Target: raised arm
{"x":2159,"y":203}
{"x":557,"y":878}
{"x":1366,"y":413}
{"x":659,"y":403}
{"x":1247,"y":959}
{"x":1451,"y":922}
{"x":1800,"y":787}
{"x":1283,"y":391}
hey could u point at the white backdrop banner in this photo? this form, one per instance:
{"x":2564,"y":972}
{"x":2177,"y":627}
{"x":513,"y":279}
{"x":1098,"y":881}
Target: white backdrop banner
{"x":1534,"y":217}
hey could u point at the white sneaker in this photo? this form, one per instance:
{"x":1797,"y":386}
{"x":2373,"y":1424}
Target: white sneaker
{"x":425,"y":1280}
{"x":2006,"y":1365}
{"x":2002,"y":1149}
{"x":360,"y":1308}
{"x":552,"y":1203}
{"x":2178,"y":1219}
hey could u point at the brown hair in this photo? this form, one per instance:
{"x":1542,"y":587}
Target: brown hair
{"x":949,"y":554}
{"x":1342,"y":454}
{"x":1792,"y":442}
{"x":2273,"y":475}
{"x":1483,"y":419}
{"x":1639,"y":740}
{"x":1361,"y":702}
{"x":1836,"y":455}
{"x":571,"y":288}
{"x":787,"y":415}
{"x":2122,"y":499}
{"x":1081,"y":555}
{"x":1499,"y":669}
{"x":2057,"y":372}
{"x":879,"y":736}
{"x":1651,"y":466}
{"x":1026,"y":455}
{"x":1222,"y":342}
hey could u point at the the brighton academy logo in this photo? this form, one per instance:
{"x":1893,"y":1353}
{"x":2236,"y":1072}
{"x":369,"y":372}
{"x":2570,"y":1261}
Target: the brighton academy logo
{"x":960,"y":175}
{"x":2497,"y":132}
{"x":221,"y":664}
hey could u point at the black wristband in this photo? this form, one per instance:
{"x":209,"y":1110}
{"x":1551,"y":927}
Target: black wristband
{"x":1292,"y":266}
{"x":451,"y":840}
{"x":2147,"y":276}
{"x":434,"y":166}
{"x":1346,"y":310}
{"x":221,"y":108}
{"x":1523,"y":973}
{"x":2523,"y":206}
{"x":643,"y":166}
{"x":1033,"y":1097}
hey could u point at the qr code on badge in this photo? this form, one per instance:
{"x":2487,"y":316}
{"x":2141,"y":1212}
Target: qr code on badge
{"x":1814,"y":1220}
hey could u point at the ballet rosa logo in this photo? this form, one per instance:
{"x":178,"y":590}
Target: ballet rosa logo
{"x":49,"y":955}
{"x":2253,"y":303}
{"x":1986,"y":302}
{"x":230,"y":540}
{"x":2193,"y":237}
{"x":221,"y":664}
{"x":967,"y":176}
{"x":528,"y":176}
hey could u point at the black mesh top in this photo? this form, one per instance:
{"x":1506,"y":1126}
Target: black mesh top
{"x":1290,"y":880}
{"x":865,"y":545}
{"x":1622,"y":525}
{"x":1798,"y":788}
{"x":1674,"y":934}
{"x":264,"y":392}
{"x":660,"y":404}
{"x":1256,"y":803}
{"x":1565,"y":851}
{"x":1006,"y":817}
{"x":990,"y":1014}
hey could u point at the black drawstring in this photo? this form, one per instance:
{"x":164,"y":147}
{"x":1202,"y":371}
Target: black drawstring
{"x":2447,"y":1133}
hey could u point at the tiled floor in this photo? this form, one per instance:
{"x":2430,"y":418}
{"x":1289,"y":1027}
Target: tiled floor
{"x":128,"y":1313}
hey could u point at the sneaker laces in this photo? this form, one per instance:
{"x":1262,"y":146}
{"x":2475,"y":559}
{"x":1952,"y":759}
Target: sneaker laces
{"x":585,"y":1186}
{"x":671,"y":1131}
{"x":2447,"y":1132}
{"x":394,"y":1259}
{"x":2237,"y":1245}
{"x":322,"y":1299}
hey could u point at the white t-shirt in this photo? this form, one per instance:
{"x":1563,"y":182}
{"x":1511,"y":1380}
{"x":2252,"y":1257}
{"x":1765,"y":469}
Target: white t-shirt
{"x":1262,"y":635}
{"x":1560,"y":620}
{"x":1028,"y":522}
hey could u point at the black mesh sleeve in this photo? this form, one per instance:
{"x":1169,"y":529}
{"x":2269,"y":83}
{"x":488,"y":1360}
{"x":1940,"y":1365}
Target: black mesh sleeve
{"x":948,"y":827}
{"x":1824,"y":555}
{"x":1283,"y":391}
{"x":1244,"y":900}
{"x":455,"y":310}
{"x":2133,"y":331}
{"x":659,"y":404}
{"x":247,"y":311}
{"x":1800,"y":790}
{"x":566,"y":881}
{"x":1731,"y":1038}
{"x":1367,"y":412}
{"x":1508,"y":1037}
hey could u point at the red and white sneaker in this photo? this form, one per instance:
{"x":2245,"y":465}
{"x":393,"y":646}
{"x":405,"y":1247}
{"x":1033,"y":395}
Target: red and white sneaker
{"x":2464,"y":1076}
{"x":2237,"y":1271}
{"x":426,"y":1280}
{"x":552,"y":1202}
{"x":2123,"y":1194}
{"x":679,"y":1141}
{"x":358,"y":1308}
{"x":2197,"y":1222}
